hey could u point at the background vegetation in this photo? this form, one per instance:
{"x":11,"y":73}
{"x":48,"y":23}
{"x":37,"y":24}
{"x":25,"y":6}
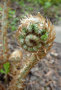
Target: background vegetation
{"x":48,"y":8}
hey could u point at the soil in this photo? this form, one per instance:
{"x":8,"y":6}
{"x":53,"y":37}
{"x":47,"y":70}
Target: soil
{"x":46,"y":75}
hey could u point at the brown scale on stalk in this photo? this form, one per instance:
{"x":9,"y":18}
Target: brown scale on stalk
{"x":35,"y":36}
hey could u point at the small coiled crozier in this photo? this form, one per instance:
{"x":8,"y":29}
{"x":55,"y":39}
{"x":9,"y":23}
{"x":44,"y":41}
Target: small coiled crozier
{"x":36,"y":34}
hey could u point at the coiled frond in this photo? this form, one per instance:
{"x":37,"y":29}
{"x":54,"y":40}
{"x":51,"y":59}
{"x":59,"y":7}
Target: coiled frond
{"x":35,"y":33}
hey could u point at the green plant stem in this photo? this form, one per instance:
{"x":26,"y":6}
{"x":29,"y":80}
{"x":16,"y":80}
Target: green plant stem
{"x":6,"y":78}
{"x":4,"y":30}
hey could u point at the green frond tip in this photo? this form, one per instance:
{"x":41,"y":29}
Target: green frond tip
{"x":21,"y":37}
{"x":44,"y":37}
{"x":30,"y":49}
{"x":6,"y":67}
{"x":43,"y":31}
{"x":33,"y":27}
{"x":24,"y":30}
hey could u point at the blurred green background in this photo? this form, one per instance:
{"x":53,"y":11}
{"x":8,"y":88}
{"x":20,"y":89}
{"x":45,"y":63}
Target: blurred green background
{"x":50,"y":9}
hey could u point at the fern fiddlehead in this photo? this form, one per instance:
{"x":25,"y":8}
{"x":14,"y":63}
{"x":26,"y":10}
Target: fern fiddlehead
{"x":31,"y":38}
{"x":35,"y":35}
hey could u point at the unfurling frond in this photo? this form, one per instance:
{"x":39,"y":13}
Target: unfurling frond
{"x":35,"y":36}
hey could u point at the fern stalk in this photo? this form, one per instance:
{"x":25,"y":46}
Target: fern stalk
{"x":4,"y":30}
{"x":18,"y":82}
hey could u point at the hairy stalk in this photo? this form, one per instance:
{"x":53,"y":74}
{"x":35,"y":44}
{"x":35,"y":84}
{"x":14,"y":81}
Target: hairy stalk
{"x":4,"y":30}
{"x":25,"y":70}
{"x":18,"y":82}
